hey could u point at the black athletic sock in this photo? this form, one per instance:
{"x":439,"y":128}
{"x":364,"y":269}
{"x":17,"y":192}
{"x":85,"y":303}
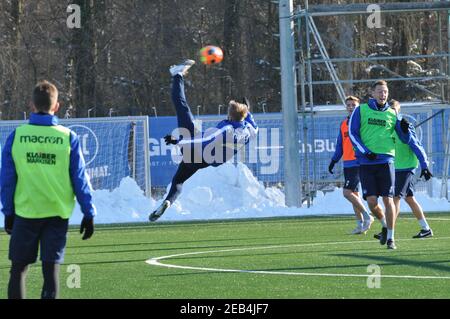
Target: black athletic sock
{"x":50,"y":290}
{"x":16,"y":286}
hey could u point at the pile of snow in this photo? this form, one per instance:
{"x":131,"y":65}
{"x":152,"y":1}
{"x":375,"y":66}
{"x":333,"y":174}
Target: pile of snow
{"x":227,"y":191}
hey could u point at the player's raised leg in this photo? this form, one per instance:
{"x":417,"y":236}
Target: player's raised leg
{"x":184,"y":114}
{"x":185,"y":121}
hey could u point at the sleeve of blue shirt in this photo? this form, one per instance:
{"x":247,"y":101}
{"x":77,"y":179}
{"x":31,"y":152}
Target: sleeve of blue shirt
{"x":338,"y":152}
{"x":253,"y":127}
{"x":418,"y":149}
{"x":209,"y":136}
{"x":404,"y":137}
{"x":251,"y":120}
{"x":8,"y":177}
{"x":80,"y":180}
{"x":355,"y":136}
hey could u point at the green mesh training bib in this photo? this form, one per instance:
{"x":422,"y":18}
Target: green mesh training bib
{"x":41,"y":156}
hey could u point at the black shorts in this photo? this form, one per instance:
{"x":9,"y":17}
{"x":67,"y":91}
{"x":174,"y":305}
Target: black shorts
{"x":351,"y":175}
{"x":28,"y":235}
{"x":404,"y":186}
{"x":377,"y":180}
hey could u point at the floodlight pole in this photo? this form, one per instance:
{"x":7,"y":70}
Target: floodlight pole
{"x":289,"y":105}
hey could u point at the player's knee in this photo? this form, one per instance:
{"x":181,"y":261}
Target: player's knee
{"x":388,"y":200}
{"x":347,"y":193}
{"x":372,"y":202}
{"x":18,"y":268}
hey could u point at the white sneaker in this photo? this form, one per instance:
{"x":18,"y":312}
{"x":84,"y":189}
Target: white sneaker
{"x":357,"y":230}
{"x":367,"y":224}
{"x":181,"y":68}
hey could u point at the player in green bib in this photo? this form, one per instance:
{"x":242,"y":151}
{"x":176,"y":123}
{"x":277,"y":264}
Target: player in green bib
{"x":43,"y":171}
{"x":372,"y":127}
{"x":407,"y":158}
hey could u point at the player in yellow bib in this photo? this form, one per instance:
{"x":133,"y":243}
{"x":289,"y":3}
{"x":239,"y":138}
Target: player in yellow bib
{"x":372,"y":127}
{"x":43,"y":171}
{"x":407,"y":159}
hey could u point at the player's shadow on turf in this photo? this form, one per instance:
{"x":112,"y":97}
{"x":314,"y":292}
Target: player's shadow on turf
{"x":180,"y":242}
{"x":204,"y":256}
{"x":167,"y":249}
{"x":391,"y":260}
{"x":140,"y":260}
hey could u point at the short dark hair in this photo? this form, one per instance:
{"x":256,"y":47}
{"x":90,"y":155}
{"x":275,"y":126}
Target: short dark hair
{"x":352,"y":98}
{"x":45,"y":94}
{"x":379,"y":82}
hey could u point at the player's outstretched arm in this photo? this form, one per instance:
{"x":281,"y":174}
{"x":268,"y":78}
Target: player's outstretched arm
{"x":249,"y":118}
{"x":418,"y":149}
{"x":403,"y":129}
{"x":8,"y":183}
{"x":338,"y":151}
{"x":81,"y":186}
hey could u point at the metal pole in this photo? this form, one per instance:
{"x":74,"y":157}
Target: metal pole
{"x":430,"y":150}
{"x":448,"y":57}
{"x":311,"y":105}
{"x":133,"y":125}
{"x":324,"y":53}
{"x":322,"y":10}
{"x":289,"y":105}
{"x":444,"y":186}
{"x":301,"y":76}
{"x":441,"y":61}
{"x":89,"y":111}
{"x":147,"y":166}
{"x":381,"y":58}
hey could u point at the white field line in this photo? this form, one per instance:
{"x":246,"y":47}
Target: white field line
{"x":155,"y":261}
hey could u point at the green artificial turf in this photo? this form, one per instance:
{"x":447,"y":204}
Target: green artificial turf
{"x":112,"y":263}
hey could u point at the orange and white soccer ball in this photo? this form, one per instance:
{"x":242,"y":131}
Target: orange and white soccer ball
{"x":211,"y":55}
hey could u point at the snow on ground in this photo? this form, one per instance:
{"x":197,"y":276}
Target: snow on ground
{"x":227,"y":191}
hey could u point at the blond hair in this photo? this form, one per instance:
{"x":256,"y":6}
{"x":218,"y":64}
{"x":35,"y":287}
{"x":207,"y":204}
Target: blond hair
{"x":237,"y":111}
{"x":395,"y":105}
{"x":352,"y":98}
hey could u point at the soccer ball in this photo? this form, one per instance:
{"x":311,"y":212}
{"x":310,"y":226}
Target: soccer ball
{"x":211,"y":55}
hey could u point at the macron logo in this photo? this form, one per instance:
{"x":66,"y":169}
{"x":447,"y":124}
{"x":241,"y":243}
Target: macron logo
{"x":41,"y":139}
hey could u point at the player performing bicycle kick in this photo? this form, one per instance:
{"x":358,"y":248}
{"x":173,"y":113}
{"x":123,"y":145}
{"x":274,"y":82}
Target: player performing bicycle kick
{"x":210,"y":148}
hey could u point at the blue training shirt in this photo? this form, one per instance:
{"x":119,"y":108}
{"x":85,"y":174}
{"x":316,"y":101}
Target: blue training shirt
{"x":221,"y":143}
{"x":80,"y":181}
{"x":355,"y":137}
{"x":418,"y":150}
